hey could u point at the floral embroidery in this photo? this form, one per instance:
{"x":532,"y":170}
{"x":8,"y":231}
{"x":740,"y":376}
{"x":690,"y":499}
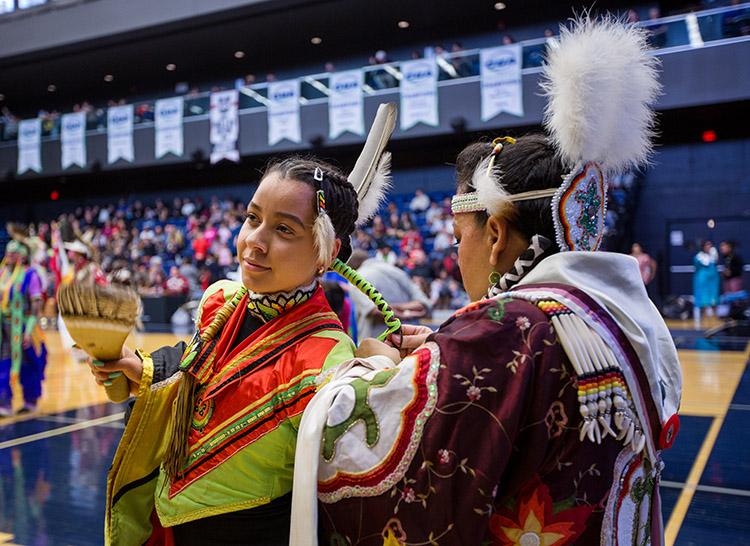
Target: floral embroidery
{"x":474,"y":393}
{"x":408,"y":495}
{"x":556,"y":419}
{"x":444,"y":456}
{"x":535,"y":522}
{"x":523,"y":323}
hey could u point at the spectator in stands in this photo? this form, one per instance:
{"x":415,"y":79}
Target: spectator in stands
{"x":329,"y":67}
{"x":433,"y":213}
{"x":190,"y":272}
{"x":732,"y":273}
{"x":443,"y":241}
{"x":385,"y":254}
{"x":405,"y":297}
{"x":420,"y":202}
{"x":507,"y":40}
{"x":176,"y":284}
{"x":200,"y":247}
{"x":658,"y":32}
{"x":633,"y":17}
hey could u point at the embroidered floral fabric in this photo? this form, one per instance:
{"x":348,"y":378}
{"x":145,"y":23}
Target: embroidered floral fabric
{"x":500,"y":461}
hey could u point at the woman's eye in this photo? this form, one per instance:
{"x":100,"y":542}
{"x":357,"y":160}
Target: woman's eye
{"x":284,"y":229}
{"x":252,"y":218}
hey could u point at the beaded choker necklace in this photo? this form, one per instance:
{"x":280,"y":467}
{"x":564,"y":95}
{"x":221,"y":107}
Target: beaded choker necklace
{"x":266,"y":307}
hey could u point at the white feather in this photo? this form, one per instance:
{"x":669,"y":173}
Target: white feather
{"x":364,"y":176}
{"x":488,"y":184}
{"x":325,"y":239}
{"x":370,"y":202}
{"x":601,"y":83}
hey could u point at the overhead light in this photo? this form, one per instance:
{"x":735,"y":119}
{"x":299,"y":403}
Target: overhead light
{"x":171,"y":67}
{"x":316,"y":40}
{"x":711,"y":223}
{"x":109,"y":78}
{"x":51,"y":88}
{"x":499,"y":6}
{"x":403,"y":24}
{"x":239,"y":54}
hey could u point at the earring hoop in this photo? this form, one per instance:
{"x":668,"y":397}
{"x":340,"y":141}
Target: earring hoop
{"x":494,"y":278}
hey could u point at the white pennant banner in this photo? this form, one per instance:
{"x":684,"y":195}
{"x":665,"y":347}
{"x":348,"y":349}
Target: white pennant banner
{"x":419,"y":95}
{"x":168,"y":127}
{"x":501,"y":81}
{"x":283,"y":112}
{"x":29,"y":143}
{"x":120,"y":133}
{"x":225,"y":126}
{"x":345,"y":104}
{"x":73,"y":139}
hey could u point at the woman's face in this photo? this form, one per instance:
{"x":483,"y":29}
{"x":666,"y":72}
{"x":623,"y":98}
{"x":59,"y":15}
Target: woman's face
{"x":473,"y":254}
{"x":275,"y":247}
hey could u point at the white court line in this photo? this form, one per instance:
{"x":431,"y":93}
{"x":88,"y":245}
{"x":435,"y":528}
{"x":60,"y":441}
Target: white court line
{"x":72,"y":420}
{"x":62,"y":430}
{"x":707,"y":488}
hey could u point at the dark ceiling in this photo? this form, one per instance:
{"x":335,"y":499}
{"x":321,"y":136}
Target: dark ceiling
{"x":275,"y":35}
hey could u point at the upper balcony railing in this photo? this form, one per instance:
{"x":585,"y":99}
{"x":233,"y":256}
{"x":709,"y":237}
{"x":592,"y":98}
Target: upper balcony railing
{"x":672,"y":34}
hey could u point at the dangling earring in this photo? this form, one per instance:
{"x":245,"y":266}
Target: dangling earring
{"x":321,"y":270}
{"x":494,"y":278}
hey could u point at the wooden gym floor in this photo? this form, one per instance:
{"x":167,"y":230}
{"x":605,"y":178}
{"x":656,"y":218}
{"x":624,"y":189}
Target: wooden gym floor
{"x":53,"y":463}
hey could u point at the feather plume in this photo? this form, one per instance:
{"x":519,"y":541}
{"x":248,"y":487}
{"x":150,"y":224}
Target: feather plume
{"x":601,"y":83}
{"x":325,"y":238}
{"x":381,"y":184}
{"x":487,"y":183}
{"x":370,"y":175}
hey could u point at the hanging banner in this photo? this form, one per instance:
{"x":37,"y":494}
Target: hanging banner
{"x":73,"y":139}
{"x":168,"y":127}
{"x":345,"y":104}
{"x":419,"y":98}
{"x":120,"y":133}
{"x":501,"y":82}
{"x":29,"y":144}
{"x":225,"y":126}
{"x":283,"y":112}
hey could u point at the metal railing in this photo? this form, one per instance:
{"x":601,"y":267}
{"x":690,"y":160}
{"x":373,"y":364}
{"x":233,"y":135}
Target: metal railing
{"x":713,"y":27}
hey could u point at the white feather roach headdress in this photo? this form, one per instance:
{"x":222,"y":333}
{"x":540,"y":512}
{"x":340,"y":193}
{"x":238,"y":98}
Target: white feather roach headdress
{"x":601,"y":84}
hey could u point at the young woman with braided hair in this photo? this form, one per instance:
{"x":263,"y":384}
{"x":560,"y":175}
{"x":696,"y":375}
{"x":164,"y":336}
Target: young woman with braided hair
{"x":207,"y":455}
{"x":219,"y":470}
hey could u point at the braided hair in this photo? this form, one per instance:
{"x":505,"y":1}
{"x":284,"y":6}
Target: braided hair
{"x":530,"y":164}
{"x":340,"y":195}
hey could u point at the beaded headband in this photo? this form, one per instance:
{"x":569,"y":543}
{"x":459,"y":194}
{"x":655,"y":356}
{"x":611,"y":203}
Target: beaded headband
{"x":578,"y":205}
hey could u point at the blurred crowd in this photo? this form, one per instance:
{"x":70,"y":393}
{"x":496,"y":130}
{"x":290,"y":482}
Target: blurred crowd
{"x":181,"y":247}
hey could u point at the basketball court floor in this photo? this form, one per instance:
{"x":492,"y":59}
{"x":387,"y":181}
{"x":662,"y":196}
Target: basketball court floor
{"x":53,"y":464}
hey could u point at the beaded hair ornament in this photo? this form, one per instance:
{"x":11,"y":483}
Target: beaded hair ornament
{"x":601,"y":84}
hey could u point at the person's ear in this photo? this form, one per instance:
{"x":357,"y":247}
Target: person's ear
{"x":496,"y":231}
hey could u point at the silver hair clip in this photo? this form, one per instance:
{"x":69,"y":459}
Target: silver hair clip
{"x":318,"y":174}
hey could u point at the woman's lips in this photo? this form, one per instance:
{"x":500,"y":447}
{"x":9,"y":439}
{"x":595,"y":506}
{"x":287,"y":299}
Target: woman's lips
{"x":253,"y":267}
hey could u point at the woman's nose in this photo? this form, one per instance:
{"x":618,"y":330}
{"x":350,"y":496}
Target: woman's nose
{"x":256,"y":240}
